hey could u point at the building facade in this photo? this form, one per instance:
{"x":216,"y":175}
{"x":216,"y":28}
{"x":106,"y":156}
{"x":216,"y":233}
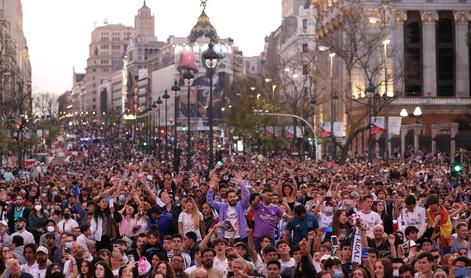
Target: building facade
{"x":425,"y":63}
{"x":106,"y":50}
{"x":15,"y":69}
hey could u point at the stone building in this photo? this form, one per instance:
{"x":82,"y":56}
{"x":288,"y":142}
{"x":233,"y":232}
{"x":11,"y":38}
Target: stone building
{"x":426,"y":65}
{"x":15,"y":67}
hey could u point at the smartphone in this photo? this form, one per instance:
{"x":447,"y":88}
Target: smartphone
{"x":335,"y":241}
{"x":230,"y":274}
{"x":68,"y":248}
{"x":219,"y":164}
{"x":364,"y":252}
{"x":327,"y":229}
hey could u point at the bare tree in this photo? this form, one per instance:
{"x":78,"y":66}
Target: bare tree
{"x":359,"y":50}
{"x":45,"y":103}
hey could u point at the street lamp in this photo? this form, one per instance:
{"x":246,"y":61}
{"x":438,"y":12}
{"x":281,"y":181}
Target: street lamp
{"x":159,"y":102}
{"x":370,"y":94}
{"x":188,"y":78}
{"x":417,"y":113}
{"x":154,"y":106}
{"x":332,"y":106}
{"x":175,"y":89}
{"x":210,"y":61}
{"x":166,"y":97}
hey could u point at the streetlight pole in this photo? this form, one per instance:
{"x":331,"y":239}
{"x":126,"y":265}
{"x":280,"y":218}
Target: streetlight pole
{"x":387,"y":147}
{"x":175,"y":89}
{"x":210,"y":60}
{"x":332,"y":106}
{"x":370,"y":92}
{"x":188,"y":77}
{"x":166,"y":97}
{"x":159,"y":102}
{"x":154,"y":106}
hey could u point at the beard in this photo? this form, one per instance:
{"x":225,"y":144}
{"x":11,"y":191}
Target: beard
{"x":208,"y":264}
{"x":41,"y":261}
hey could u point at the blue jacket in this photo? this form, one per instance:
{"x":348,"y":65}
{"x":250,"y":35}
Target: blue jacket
{"x":241,"y":207}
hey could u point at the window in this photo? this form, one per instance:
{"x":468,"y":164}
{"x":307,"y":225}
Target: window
{"x":413,"y":54}
{"x":304,"y":23}
{"x":305,"y":47}
{"x":445,"y":35}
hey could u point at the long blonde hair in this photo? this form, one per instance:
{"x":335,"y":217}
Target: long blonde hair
{"x":194,"y":212}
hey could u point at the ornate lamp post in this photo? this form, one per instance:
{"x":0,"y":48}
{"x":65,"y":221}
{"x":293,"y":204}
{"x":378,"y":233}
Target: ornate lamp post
{"x":159,"y":102}
{"x":370,"y":94}
{"x":166,"y":97}
{"x":188,"y":78}
{"x":210,"y":61}
{"x":175,"y":89}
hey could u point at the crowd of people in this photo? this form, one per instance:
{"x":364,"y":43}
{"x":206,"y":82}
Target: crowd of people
{"x":121,"y":212}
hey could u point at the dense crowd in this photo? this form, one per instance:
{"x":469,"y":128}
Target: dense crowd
{"x":117,"y":211}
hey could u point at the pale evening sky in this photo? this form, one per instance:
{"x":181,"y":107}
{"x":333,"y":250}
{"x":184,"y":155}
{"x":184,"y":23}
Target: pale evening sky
{"x":59,"y":31}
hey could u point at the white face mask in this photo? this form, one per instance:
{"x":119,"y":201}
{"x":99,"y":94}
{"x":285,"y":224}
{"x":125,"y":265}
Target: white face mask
{"x":396,"y":272}
{"x":50,"y":229}
{"x":38,"y":207}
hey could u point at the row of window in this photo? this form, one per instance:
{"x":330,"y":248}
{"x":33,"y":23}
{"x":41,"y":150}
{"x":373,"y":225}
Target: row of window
{"x":445,"y":55}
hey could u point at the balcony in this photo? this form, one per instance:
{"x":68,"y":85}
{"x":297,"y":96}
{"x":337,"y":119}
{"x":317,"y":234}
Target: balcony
{"x":427,"y":101}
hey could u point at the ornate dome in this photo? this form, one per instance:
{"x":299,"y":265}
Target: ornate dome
{"x":203,"y":28}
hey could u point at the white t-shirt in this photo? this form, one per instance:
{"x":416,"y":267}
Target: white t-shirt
{"x":231,"y":216}
{"x":67,"y":226}
{"x":221,"y":265}
{"x":26,"y":268}
{"x":288,"y":264}
{"x":38,"y":273}
{"x":372,"y":219}
{"x":188,"y":224}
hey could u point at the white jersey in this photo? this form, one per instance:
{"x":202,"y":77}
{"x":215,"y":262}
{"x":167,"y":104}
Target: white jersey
{"x":372,"y":219}
{"x":416,"y":218}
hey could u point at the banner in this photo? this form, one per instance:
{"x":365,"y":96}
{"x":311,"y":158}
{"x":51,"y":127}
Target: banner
{"x":290,"y":132}
{"x":339,"y":130}
{"x":377,"y":125}
{"x":324,"y":130}
{"x":39,"y":133}
{"x":395,"y":126}
{"x":356,"y":248}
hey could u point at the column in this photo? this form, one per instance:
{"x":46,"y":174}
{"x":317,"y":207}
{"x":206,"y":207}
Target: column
{"x":462,"y":54}
{"x":404,"y":130}
{"x":453,"y":132}
{"x":429,"y":55}
{"x":377,"y":137}
{"x":434,"y":139}
{"x":417,"y":132}
{"x":398,"y":44}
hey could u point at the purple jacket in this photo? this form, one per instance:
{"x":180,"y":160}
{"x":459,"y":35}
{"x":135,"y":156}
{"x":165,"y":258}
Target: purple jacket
{"x":241,"y":207}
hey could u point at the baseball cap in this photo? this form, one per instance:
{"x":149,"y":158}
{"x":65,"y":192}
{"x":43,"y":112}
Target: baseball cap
{"x":3,"y":222}
{"x":240,"y":243}
{"x":42,"y":249}
{"x":20,"y":219}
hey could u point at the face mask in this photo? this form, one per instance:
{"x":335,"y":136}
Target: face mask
{"x":58,"y":212}
{"x":50,"y":229}
{"x":328,"y":209}
{"x":54,"y":193}
{"x":66,"y":215}
{"x":396,"y":272}
{"x":338,"y":274}
{"x":38,"y":207}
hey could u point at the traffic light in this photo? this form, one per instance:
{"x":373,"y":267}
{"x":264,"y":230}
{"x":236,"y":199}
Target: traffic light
{"x":456,"y":168}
